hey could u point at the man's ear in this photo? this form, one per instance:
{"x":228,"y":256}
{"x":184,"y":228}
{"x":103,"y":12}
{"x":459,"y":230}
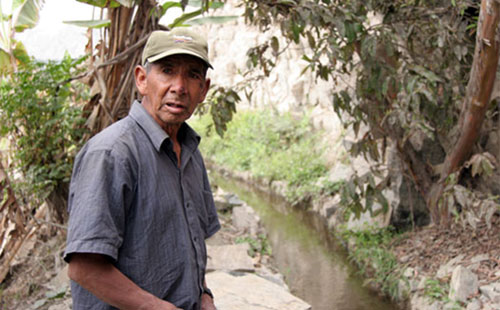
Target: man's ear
{"x":140,"y":75}
{"x":205,"y":90}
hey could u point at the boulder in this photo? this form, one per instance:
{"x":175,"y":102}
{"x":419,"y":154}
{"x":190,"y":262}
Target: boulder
{"x":464,"y":283}
{"x":243,"y":291}
{"x":245,"y":219}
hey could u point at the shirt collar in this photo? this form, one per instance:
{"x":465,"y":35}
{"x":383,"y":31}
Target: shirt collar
{"x":156,"y":134}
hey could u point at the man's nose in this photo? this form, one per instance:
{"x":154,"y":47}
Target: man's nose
{"x":178,"y":84}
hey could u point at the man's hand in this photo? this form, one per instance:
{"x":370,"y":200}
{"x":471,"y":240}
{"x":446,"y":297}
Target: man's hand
{"x":207,"y":303}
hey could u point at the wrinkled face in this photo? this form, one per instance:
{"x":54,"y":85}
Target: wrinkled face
{"x":172,"y":88}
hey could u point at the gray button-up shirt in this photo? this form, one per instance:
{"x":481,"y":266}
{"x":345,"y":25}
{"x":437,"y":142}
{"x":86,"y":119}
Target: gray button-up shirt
{"x":130,"y":201}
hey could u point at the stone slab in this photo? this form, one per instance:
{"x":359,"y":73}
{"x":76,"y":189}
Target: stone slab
{"x":247,"y":291}
{"x":232,"y":257}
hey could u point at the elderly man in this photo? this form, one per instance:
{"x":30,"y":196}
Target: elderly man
{"x":140,"y":202}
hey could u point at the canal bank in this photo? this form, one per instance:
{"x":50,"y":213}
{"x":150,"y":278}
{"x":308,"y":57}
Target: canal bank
{"x":431,"y":268}
{"x":312,"y":261}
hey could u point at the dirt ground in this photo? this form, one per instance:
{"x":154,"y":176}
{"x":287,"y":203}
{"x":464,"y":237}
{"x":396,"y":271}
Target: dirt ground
{"x":429,"y":248}
{"x":36,"y":264}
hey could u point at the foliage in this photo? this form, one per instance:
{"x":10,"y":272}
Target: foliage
{"x":221,"y":103}
{"x":24,"y":16}
{"x":411,"y":61}
{"x":438,"y":290}
{"x":260,"y":244}
{"x":371,"y":253}
{"x":41,"y":118}
{"x":360,"y":193}
{"x":271,"y":146}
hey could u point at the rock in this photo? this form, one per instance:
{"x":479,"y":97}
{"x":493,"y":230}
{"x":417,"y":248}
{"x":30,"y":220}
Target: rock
{"x":274,"y":277}
{"x":234,"y":200}
{"x":407,"y":199}
{"x":225,"y":202}
{"x":326,"y":206}
{"x":420,"y":303}
{"x":244,"y":291}
{"x":474,"y":305}
{"x":340,"y":173}
{"x":60,"y":280}
{"x":409,"y":272}
{"x":366,"y":220}
{"x":446,"y":270}
{"x":463,"y":284}
{"x":62,"y":305}
{"x":245,"y":219}
{"x":479,"y":258}
{"x":279,"y":187}
{"x":229,"y":258}
{"x":492,"y":292}
{"x":422,"y":283}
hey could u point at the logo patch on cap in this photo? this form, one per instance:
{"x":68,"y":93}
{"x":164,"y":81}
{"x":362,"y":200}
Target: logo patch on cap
{"x":182,"y":39}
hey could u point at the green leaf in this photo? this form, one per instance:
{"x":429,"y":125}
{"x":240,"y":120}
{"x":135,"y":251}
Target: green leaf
{"x":101,"y":3}
{"x":275,"y":45}
{"x":212,"y":5}
{"x":28,"y":15}
{"x":183,"y":18}
{"x":5,"y":64}
{"x":350,"y":32}
{"x":89,"y":23}
{"x":16,"y":4}
{"x":170,"y":4}
{"x":311,"y":40}
{"x":126,"y":3}
{"x":20,"y":53}
{"x":212,"y":20}
{"x":429,"y":75}
{"x":296,"y":30}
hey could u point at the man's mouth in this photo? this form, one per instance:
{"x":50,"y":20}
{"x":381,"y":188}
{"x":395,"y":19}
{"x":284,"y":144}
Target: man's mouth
{"x":174,"y":107}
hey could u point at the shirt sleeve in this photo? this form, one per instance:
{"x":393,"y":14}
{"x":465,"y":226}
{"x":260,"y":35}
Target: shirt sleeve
{"x":213,"y":219}
{"x":101,"y":186}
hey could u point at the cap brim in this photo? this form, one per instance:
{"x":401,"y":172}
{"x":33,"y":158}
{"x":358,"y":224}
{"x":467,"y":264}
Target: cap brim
{"x":176,"y":52}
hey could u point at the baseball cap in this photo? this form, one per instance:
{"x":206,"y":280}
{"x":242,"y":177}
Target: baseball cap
{"x":180,"y":40}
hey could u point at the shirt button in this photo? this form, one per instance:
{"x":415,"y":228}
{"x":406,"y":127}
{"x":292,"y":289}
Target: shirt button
{"x":188,"y":205}
{"x":195,"y":239}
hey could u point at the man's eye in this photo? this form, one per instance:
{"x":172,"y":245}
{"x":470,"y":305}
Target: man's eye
{"x":195,"y":75}
{"x":167,"y":70}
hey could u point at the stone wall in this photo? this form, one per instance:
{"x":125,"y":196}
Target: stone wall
{"x":285,"y":89}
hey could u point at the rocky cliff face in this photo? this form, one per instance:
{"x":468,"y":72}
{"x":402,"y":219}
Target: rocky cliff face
{"x":288,"y":88}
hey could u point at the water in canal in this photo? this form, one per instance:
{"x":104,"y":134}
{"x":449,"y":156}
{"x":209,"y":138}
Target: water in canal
{"x":314,"y":265}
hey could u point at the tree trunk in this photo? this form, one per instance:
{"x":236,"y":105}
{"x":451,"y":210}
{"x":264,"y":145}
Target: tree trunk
{"x":58,"y":202}
{"x":482,"y":79}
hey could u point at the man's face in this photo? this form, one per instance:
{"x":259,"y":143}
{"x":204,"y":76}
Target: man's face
{"x":172,"y":88}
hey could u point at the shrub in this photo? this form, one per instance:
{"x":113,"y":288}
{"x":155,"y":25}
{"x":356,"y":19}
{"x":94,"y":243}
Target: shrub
{"x":269,"y":145}
{"x":40,"y":117}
